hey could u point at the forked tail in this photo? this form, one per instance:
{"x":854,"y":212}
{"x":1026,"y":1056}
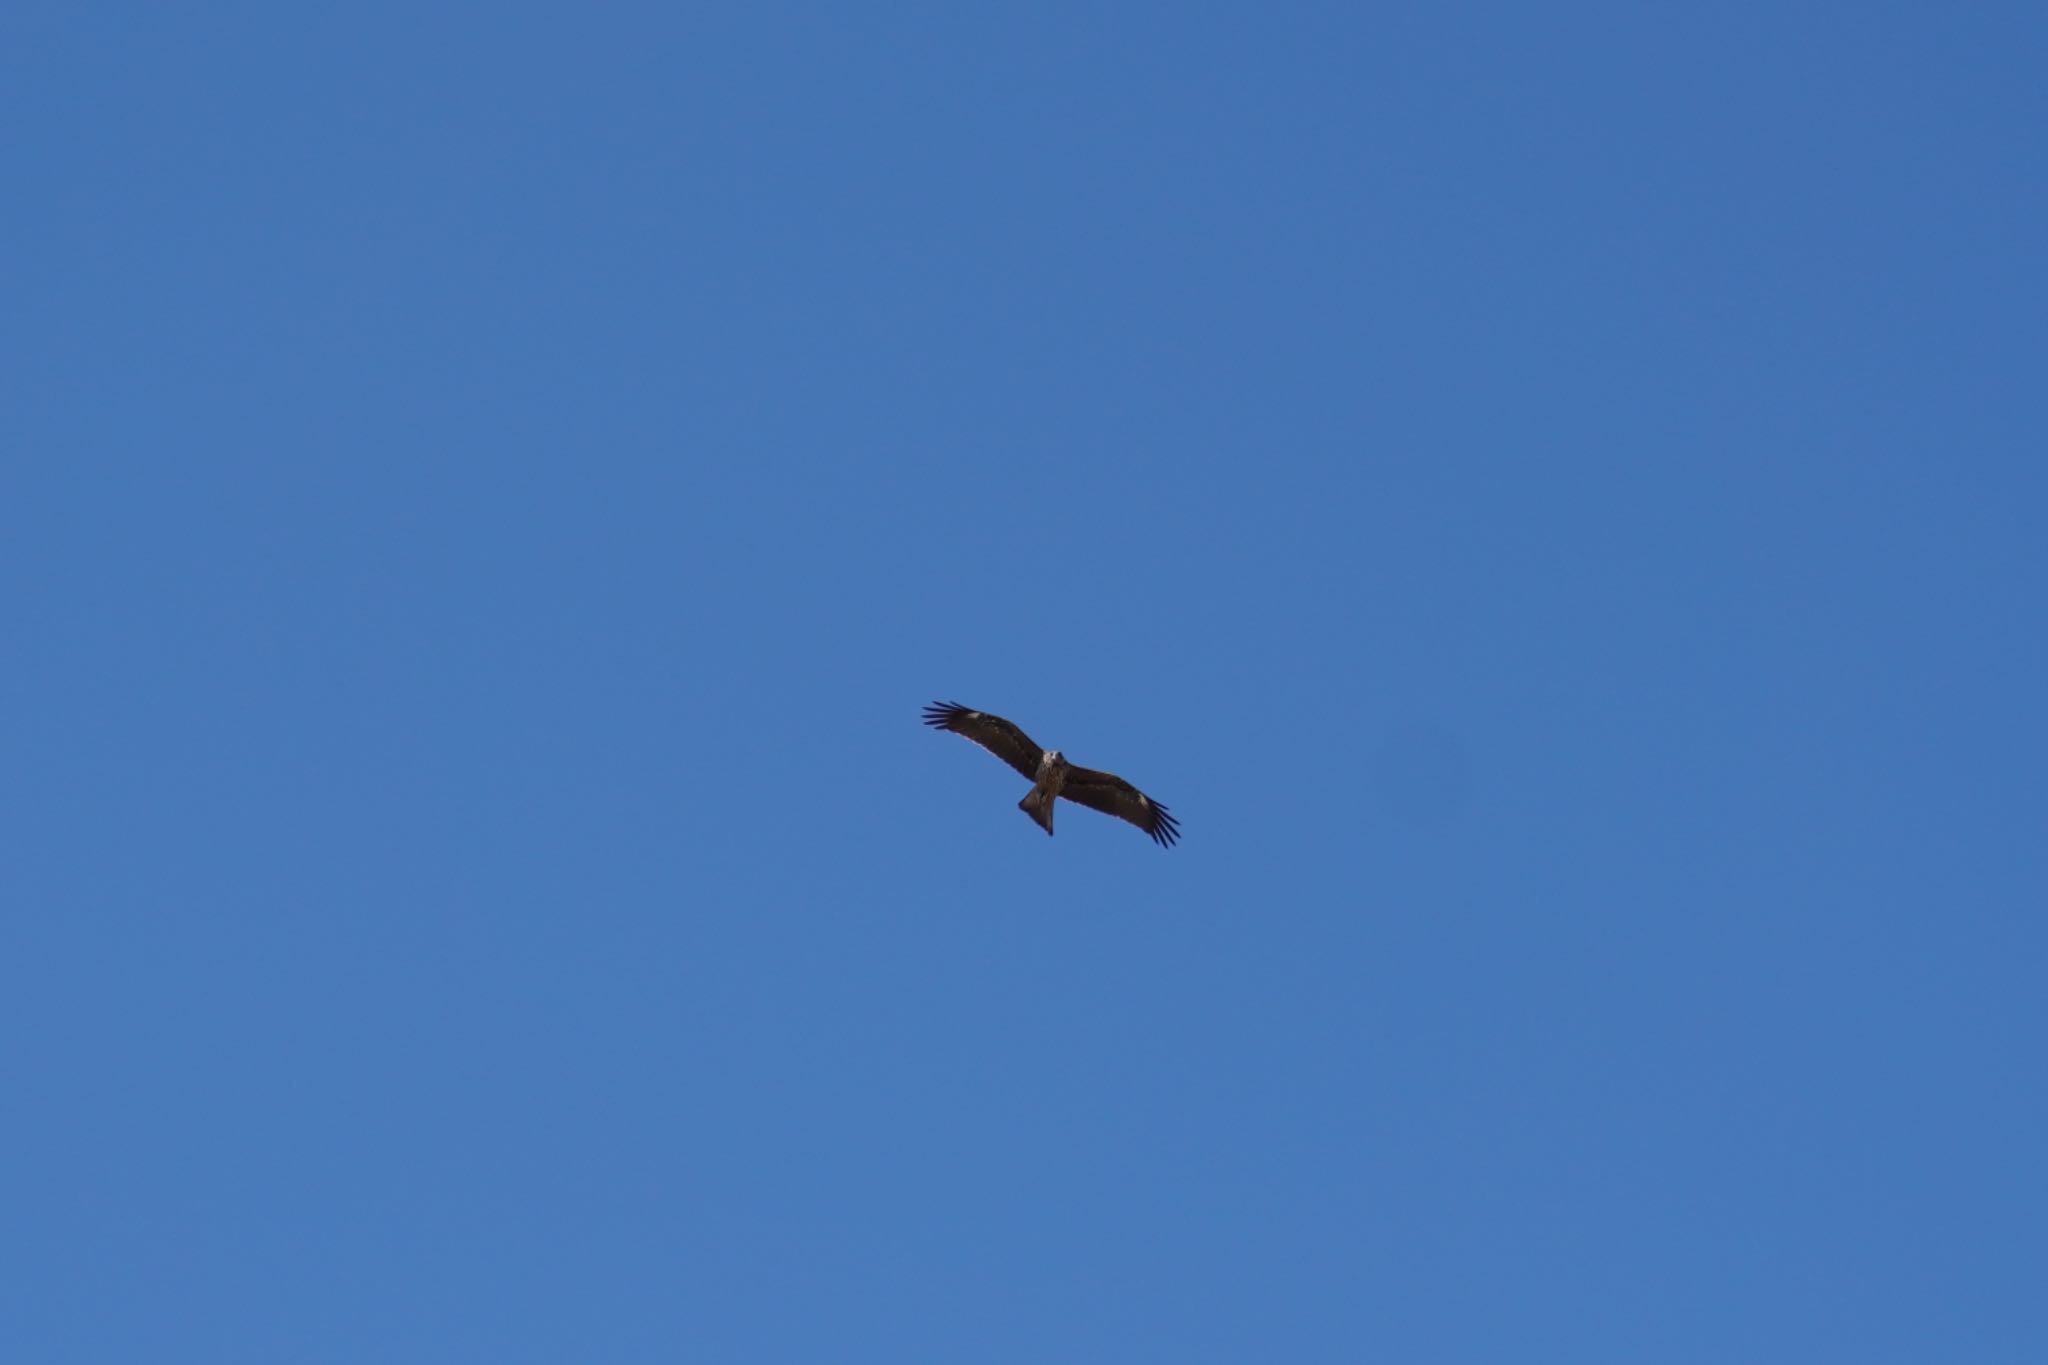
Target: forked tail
{"x":1038,"y":805}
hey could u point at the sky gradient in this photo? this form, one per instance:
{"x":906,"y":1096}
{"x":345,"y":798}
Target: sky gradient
{"x":1552,"y":501}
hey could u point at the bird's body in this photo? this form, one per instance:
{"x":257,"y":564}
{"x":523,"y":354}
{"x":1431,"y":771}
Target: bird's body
{"x":1052,"y":776}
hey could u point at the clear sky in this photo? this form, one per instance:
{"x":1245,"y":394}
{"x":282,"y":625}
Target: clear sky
{"x":1552,"y":497}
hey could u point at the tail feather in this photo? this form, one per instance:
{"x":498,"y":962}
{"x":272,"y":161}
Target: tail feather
{"x":1039,"y":807}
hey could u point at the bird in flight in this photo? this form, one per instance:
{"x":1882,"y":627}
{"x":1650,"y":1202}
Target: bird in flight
{"x":1052,"y":776}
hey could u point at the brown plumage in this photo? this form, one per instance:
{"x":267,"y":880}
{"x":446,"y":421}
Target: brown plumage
{"x":1052,"y":776}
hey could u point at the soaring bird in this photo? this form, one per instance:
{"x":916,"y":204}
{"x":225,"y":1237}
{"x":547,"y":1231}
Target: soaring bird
{"x":1052,"y":776}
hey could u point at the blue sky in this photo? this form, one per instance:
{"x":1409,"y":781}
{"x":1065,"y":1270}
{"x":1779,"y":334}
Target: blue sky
{"x":1552,"y":499}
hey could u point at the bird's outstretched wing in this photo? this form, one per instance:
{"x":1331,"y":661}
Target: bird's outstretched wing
{"x":1112,"y":795}
{"x":992,"y":733}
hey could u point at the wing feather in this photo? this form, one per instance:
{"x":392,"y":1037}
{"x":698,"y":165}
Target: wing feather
{"x":992,"y":733}
{"x":1112,"y":795}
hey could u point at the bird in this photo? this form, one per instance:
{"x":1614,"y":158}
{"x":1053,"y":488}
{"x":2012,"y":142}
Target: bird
{"x":1052,"y":776}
